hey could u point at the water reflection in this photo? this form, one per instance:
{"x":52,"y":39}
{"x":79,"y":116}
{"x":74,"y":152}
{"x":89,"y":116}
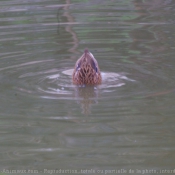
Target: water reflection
{"x":151,"y":5}
{"x":153,"y":30}
{"x":62,"y":15}
{"x":126,"y":122}
{"x":87,"y":96}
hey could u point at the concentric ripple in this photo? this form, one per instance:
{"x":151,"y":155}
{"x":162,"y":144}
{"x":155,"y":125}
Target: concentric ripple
{"x":53,"y":83}
{"x":38,"y":79}
{"x":47,"y":83}
{"x":41,"y":79}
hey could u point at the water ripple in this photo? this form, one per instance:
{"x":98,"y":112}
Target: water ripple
{"x":55,"y":83}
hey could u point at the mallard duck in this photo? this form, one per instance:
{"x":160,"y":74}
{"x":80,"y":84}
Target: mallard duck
{"x":86,"y":71}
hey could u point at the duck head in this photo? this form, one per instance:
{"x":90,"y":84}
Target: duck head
{"x":86,"y":71}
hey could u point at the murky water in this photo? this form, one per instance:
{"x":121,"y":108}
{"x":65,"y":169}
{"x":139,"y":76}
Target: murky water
{"x":48,"y":125}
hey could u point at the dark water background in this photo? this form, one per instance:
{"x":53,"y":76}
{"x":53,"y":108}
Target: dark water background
{"x":46,"y":123}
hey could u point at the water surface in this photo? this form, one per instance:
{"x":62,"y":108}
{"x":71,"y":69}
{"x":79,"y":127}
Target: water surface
{"x":47,"y":123}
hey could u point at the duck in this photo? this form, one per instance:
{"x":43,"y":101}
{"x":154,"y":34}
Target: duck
{"x":86,"y":70}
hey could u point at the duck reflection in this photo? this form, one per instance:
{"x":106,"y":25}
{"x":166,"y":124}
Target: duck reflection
{"x":86,"y":96}
{"x":86,"y":74}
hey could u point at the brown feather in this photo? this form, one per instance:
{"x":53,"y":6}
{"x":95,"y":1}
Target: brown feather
{"x":86,"y":71}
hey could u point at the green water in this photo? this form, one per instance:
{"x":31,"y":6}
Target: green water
{"x":50,"y":126}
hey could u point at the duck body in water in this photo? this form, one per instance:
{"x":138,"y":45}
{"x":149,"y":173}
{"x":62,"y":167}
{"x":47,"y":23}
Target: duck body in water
{"x":86,"y":71}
